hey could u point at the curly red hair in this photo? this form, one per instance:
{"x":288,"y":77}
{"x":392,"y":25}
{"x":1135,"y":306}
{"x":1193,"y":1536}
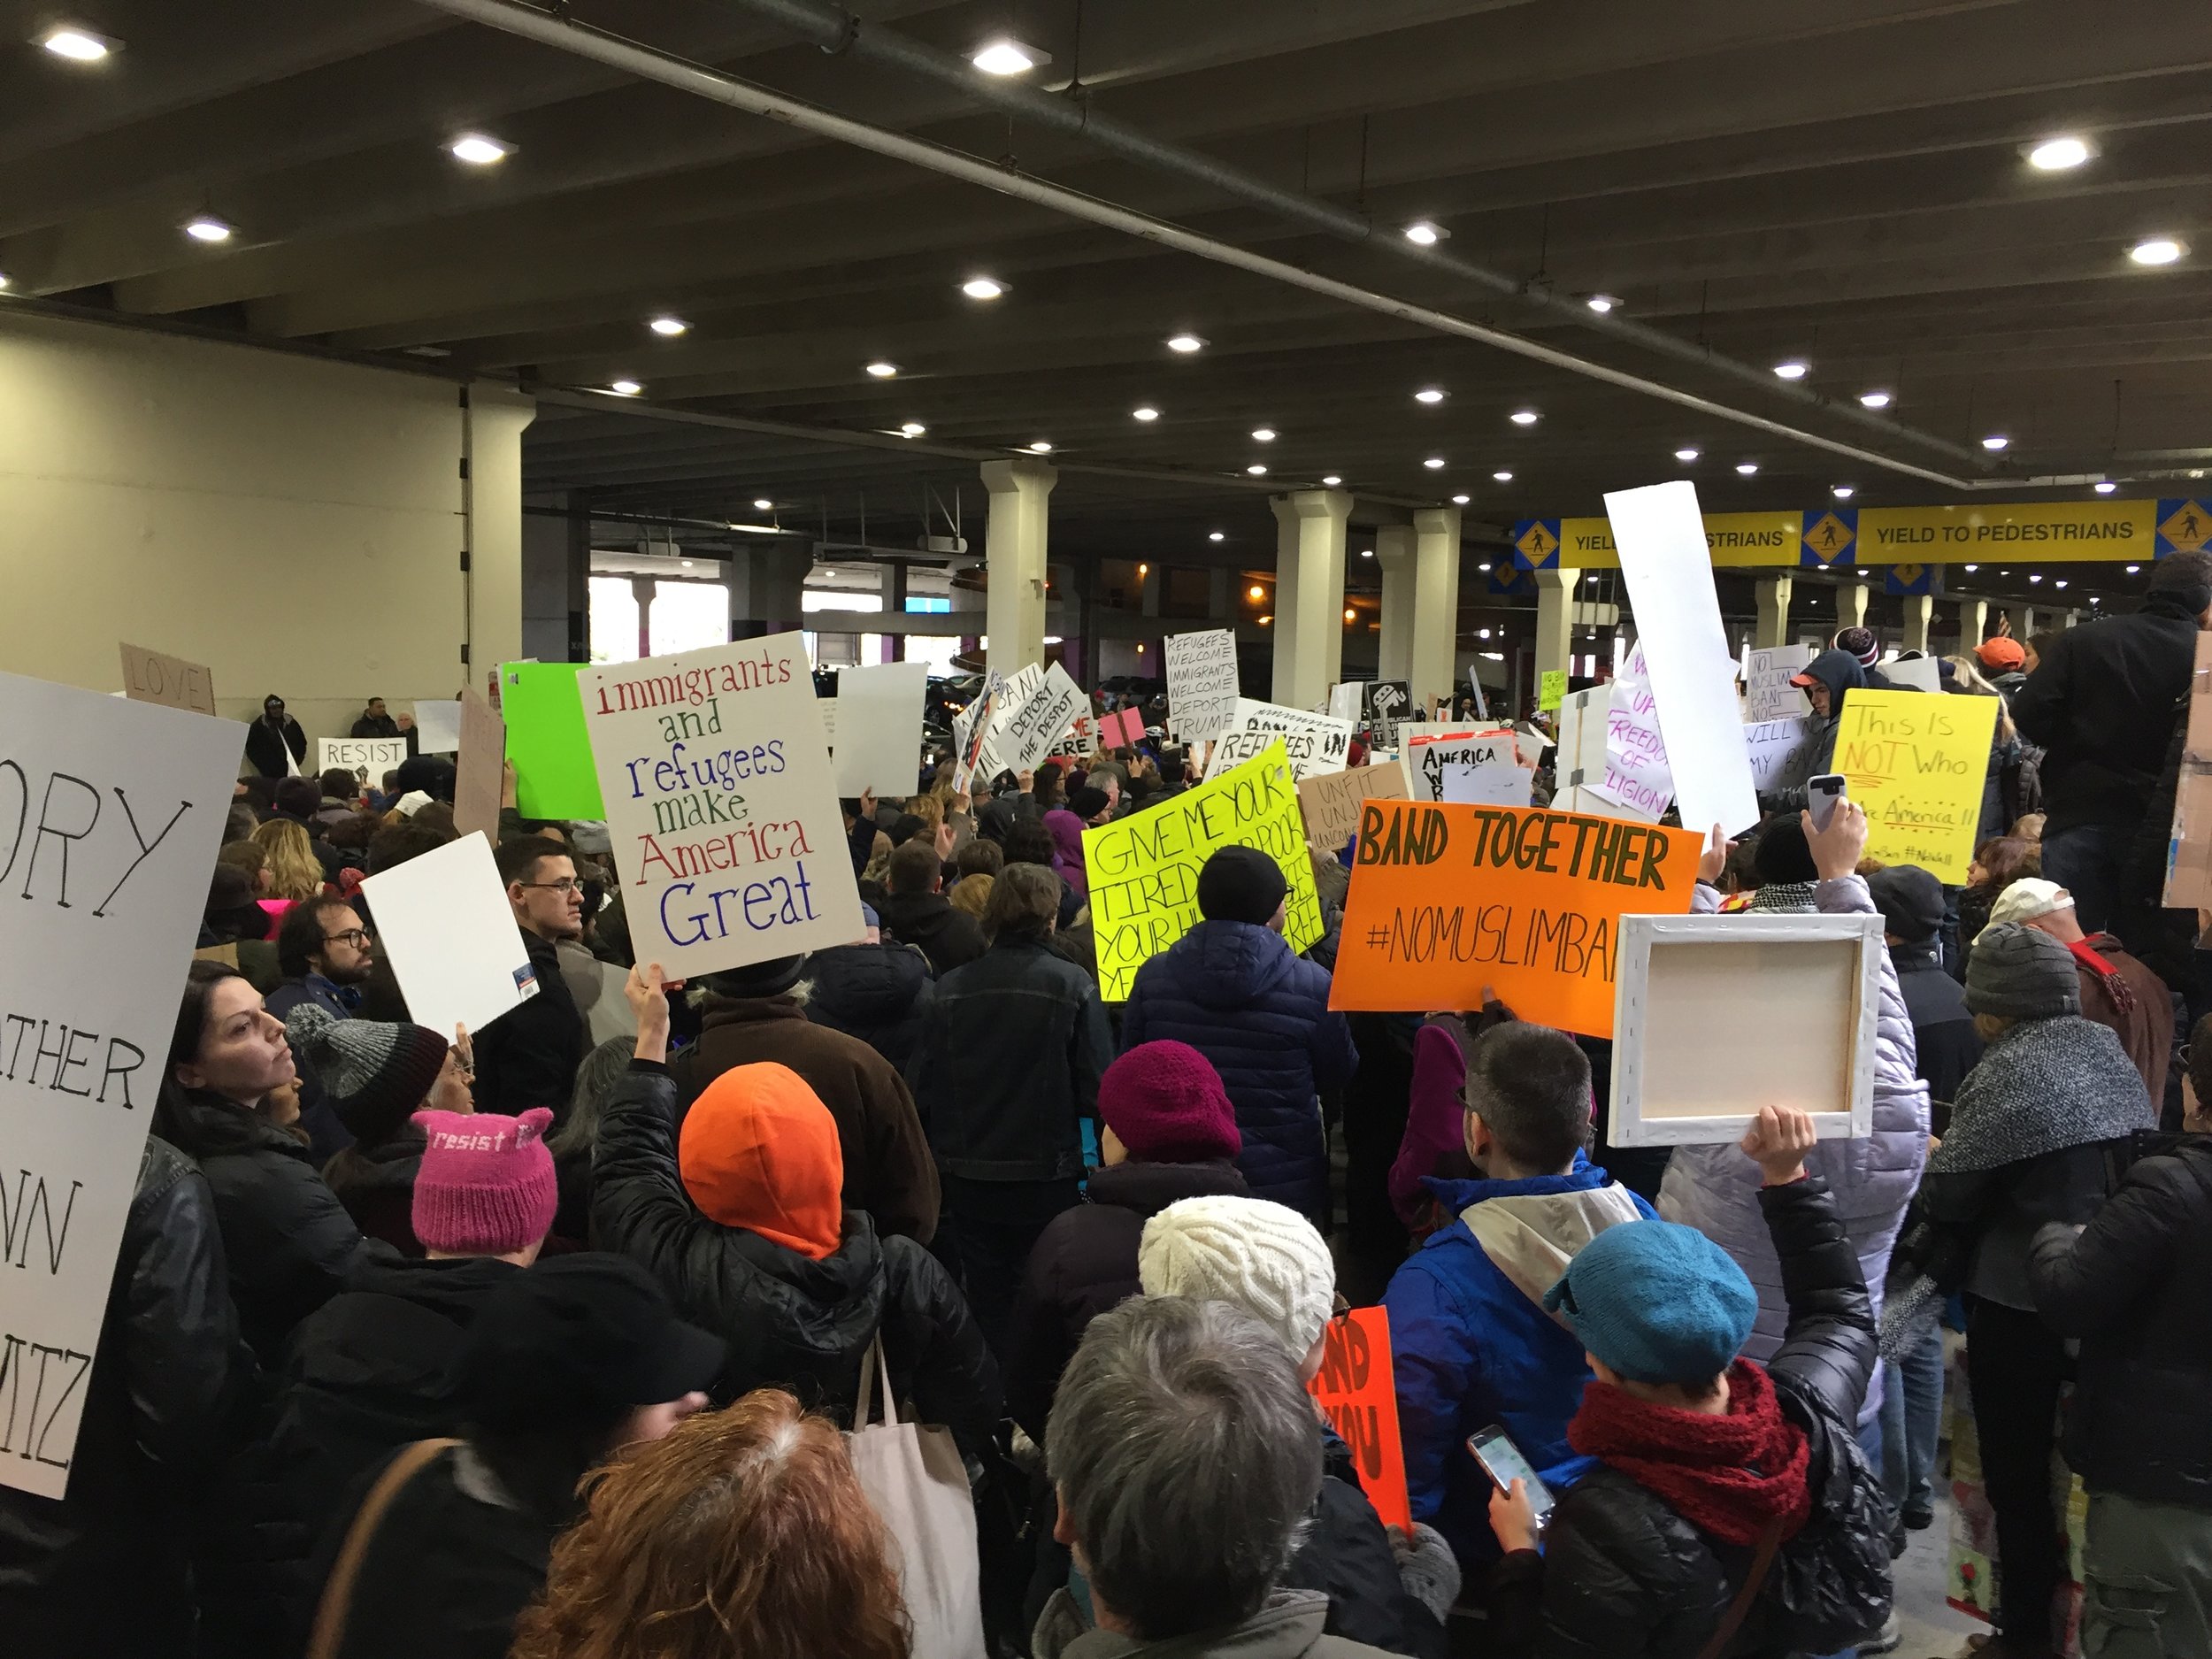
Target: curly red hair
{"x":741,"y":1536}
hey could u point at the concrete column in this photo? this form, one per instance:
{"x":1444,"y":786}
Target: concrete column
{"x":1919,"y":612}
{"x":491,"y":508}
{"x":1221,"y":596}
{"x":1851,"y":605}
{"x":1014,"y":551}
{"x":765,"y":587}
{"x":1774,"y":612}
{"x":1393,"y":551}
{"x":1435,"y":603}
{"x":1309,"y":595}
{"x":1554,"y":619}
{"x":1973,"y":624}
{"x":893,"y":580}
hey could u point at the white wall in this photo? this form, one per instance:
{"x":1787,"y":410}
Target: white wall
{"x":294,"y":524}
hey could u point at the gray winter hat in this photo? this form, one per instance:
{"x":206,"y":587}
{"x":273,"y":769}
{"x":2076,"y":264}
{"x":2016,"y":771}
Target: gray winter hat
{"x":376,"y":1073}
{"x":2018,"y":972}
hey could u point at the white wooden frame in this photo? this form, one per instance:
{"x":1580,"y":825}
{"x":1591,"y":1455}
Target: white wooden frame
{"x":1761,"y":1011}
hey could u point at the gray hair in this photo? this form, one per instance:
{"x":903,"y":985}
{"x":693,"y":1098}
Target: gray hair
{"x":595,"y":1079}
{"x":1187,"y":1457}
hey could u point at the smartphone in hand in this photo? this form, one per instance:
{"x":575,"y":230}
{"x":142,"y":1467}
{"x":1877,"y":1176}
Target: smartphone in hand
{"x":1821,"y":795}
{"x":1502,"y":1461}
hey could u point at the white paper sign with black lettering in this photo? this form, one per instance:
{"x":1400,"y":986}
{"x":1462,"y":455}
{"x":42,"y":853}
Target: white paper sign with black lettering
{"x":1314,"y":743}
{"x":1429,"y":752}
{"x":720,"y":805}
{"x":1201,"y":683}
{"x":1026,"y":733}
{"x":444,"y":921}
{"x":110,"y":811}
{"x":367,"y":759}
{"x":1767,"y":692}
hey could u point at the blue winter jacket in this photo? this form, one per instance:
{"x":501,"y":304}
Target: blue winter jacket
{"x":1469,"y":1347}
{"x":1234,"y":992}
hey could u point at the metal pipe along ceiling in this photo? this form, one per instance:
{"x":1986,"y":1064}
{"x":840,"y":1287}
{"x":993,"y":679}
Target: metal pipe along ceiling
{"x":648,"y":62}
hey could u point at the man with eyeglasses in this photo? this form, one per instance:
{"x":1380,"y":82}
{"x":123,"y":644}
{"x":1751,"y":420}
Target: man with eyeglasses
{"x":528,"y":1056}
{"x":324,"y":953}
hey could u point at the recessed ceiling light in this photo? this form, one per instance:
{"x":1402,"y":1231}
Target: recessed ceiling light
{"x":1461,"y":500}
{"x":911,"y":429}
{"x":2106,"y":486}
{"x":2037,"y":577}
{"x":1842,"y":492}
{"x":2060,"y":583}
{"x":1971,"y":568}
{"x":1995,"y":440}
{"x":669,"y":327}
{"x":1006,"y":55}
{"x":1367,"y":552}
{"x":763,"y":505}
{"x":1524,"y":417}
{"x":983,"y":288}
{"x":1263,"y":435}
{"x":2055,"y":155}
{"x":1686,"y":454}
{"x":2157,"y":250}
{"x":1216,"y":536}
{"x":2131,"y":569}
{"x":1747,"y":468}
{"x":1435,"y":464}
{"x":1795,"y":369}
{"x":1185,"y":342}
{"x":479,"y":150}
{"x":1256,"y":470}
{"x":1482,"y":567}
{"x":1042,"y":446}
{"x":4,"y":280}
{"x":1256,"y":593}
{"x":1601,"y":302}
{"x":882,"y":370}
{"x":1350,"y":615}
{"x":1330,"y":481}
{"x":1502,"y":477}
{"x":80,"y":46}
{"x":1426,"y":233}
{"x":1144,"y":411}
{"x":207,"y":228}
{"x":1874,"y":400}
{"x":1429,"y":394}
{"x":626,"y":389}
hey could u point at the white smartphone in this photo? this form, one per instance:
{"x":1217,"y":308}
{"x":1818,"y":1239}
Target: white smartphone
{"x":1821,"y":795}
{"x":1502,"y":1461}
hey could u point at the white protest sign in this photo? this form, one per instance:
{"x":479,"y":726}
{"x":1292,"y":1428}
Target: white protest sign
{"x":878,"y":709}
{"x":1429,"y":752}
{"x":1668,"y":568}
{"x":1010,"y":693}
{"x":1314,"y":743}
{"x":1201,"y":683}
{"x":1498,"y":780}
{"x":367,"y":759}
{"x":110,"y":810}
{"x":1026,"y":732}
{"x":1344,"y":699}
{"x":1913,"y":673}
{"x":437,"y":725}
{"x":1781,"y":752}
{"x":444,"y":921}
{"x":1768,"y":693}
{"x":721,"y":806}
{"x":1580,"y":765}
{"x":1079,"y":740}
{"x":1634,"y":777}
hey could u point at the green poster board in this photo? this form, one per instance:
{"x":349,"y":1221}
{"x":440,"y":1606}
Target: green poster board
{"x":554,"y":774}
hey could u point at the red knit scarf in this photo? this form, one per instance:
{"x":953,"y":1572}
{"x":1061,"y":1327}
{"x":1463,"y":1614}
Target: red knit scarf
{"x":1726,"y":1476}
{"x":2116,"y":988}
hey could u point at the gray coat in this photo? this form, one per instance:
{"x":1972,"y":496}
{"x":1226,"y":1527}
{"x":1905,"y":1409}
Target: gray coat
{"x":1288,"y":1627}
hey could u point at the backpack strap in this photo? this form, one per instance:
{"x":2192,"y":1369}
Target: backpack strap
{"x":329,"y":1634}
{"x":1738,"y":1609}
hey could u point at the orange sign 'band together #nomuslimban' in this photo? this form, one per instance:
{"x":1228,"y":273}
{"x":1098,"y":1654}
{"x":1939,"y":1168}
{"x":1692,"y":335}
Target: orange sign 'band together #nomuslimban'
{"x":1449,"y":899}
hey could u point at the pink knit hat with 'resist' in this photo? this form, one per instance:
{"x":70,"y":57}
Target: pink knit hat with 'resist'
{"x":485,"y":1186}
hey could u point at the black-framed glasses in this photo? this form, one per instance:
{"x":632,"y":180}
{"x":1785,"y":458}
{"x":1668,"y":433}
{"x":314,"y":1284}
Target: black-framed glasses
{"x":357,"y":937}
{"x":567,"y":884}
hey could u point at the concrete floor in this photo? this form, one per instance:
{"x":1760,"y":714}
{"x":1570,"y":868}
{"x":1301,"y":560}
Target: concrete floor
{"x":1932,"y":1629}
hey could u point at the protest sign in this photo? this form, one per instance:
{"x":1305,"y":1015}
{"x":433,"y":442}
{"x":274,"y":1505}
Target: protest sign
{"x":1581,"y":762}
{"x":1344,"y":700}
{"x":1768,"y":693}
{"x":482,"y":771}
{"x":554,"y":775}
{"x":970,"y":735}
{"x":2189,"y":846}
{"x":1635,"y":777}
{"x":1448,"y":900}
{"x":150,"y":677}
{"x":1144,"y":868}
{"x":1781,"y":751}
{"x":1024,"y":734}
{"x":1330,"y":802}
{"x":1916,"y":761}
{"x":1913,"y":673}
{"x":1076,"y":742}
{"x":1383,"y":704}
{"x":1497,"y":780}
{"x":1201,"y":683}
{"x":443,"y":920}
{"x":1429,"y":750}
{"x":720,"y":808}
{"x":437,"y":725}
{"x":1551,"y":688}
{"x":367,"y":759}
{"x":110,"y":810}
{"x":1314,"y":743}
{"x":1122,"y":729}
{"x":1359,"y":1395}
{"x":1669,"y":569}
{"x":878,"y":709}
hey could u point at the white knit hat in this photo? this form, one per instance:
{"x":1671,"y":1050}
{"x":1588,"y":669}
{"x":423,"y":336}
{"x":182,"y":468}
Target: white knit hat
{"x":1264,"y":1258}
{"x":2029,"y":898}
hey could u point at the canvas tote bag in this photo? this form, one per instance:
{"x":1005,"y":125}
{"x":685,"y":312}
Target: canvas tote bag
{"x":915,"y":1478}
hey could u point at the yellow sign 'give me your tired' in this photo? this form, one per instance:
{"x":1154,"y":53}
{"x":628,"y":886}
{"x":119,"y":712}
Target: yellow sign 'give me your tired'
{"x":1916,"y":761}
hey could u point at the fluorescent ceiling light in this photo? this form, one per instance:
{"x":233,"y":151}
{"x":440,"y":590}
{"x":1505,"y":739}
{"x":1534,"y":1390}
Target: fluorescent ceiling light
{"x":1686,"y":454}
{"x":1970,"y":569}
{"x":1216,"y":536}
{"x":911,"y":429}
{"x":2157,"y":250}
{"x":1842,"y":492}
{"x":1747,"y":468}
{"x":1263,"y":435}
{"x":207,"y":228}
{"x":1144,"y":412}
{"x":1461,"y":500}
{"x":1256,"y":470}
{"x":1995,"y":440}
{"x":882,"y":370}
{"x":1795,"y":369}
{"x":2057,"y":155}
{"x":1426,"y":233}
{"x":1435,"y":464}
{"x":80,"y":46}
{"x":1330,"y":481}
{"x":669,"y":327}
{"x":1367,"y":552}
{"x":479,"y":150}
{"x":1429,"y":394}
{"x":1601,"y":302}
{"x":1524,"y":417}
{"x":2131,"y":569}
{"x":1006,"y":55}
{"x":763,"y":505}
{"x":2106,"y":488}
{"x":2037,"y":577}
{"x":1874,"y":400}
{"x":1185,"y":342}
{"x":983,"y":288}
{"x":626,"y":389}
{"x":1502,"y":477}
{"x":1042,"y":446}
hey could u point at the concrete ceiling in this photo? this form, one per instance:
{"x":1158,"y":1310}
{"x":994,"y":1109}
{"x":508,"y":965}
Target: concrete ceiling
{"x":1838,"y":179}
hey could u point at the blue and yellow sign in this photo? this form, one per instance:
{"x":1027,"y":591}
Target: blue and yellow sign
{"x":1831,"y":537}
{"x":1536,"y":544}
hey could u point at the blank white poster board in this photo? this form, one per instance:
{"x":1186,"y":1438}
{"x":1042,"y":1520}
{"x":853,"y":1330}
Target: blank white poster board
{"x":1914,"y":673}
{"x":1717,"y":1016}
{"x":444,"y":920}
{"x":1669,"y":567}
{"x":438,"y":726}
{"x":878,"y":710}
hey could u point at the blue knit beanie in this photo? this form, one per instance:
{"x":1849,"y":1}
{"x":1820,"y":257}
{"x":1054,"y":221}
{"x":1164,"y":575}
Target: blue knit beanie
{"x":1657,"y":1302}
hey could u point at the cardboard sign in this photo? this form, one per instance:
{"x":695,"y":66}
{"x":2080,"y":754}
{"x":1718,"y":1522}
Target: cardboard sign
{"x":1449,"y":899}
{"x":1429,"y":752}
{"x":437,"y":725}
{"x":480,"y":771}
{"x":1028,"y":732}
{"x":554,"y":775}
{"x":1669,"y":569}
{"x":367,"y":759}
{"x":444,"y":921}
{"x":1331,"y":803}
{"x":1916,"y":762}
{"x":879,"y":708}
{"x":2189,"y":846}
{"x":1768,"y":693}
{"x":1357,"y":1390}
{"x":150,"y":677}
{"x":110,"y":810}
{"x":1551,"y":688}
{"x":1636,"y":778}
{"x":720,"y":807}
{"x":1144,"y":868}
{"x":1781,"y":751}
{"x":1314,"y":743}
{"x":1383,"y":704}
{"x":1201,"y":683}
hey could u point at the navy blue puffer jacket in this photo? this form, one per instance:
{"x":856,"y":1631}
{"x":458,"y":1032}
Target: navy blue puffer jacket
{"x":1233,"y":992}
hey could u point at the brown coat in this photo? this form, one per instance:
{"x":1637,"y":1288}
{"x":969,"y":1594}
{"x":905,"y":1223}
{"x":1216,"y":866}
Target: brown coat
{"x":2146,"y":1030}
{"x":889,"y":1172}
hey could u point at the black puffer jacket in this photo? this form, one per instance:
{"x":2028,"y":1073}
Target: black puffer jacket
{"x":791,"y":1322}
{"x":2131,"y":1284}
{"x":104,"y":1569}
{"x":876,"y":993}
{"x":1347,"y":1557}
{"x":2102,"y":702}
{"x":1623,"y":1576}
